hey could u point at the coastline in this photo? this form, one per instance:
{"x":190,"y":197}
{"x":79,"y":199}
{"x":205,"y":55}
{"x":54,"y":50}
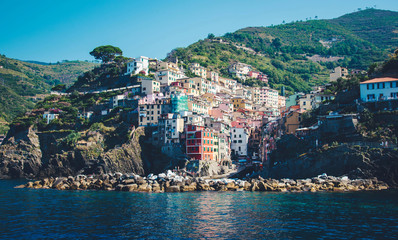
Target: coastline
{"x":171,"y":182}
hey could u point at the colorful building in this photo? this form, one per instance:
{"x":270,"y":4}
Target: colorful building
{"x":200,"y":143}
{"x":179,"y":102}
{"x":138,"y":65}
{"x":379,"y":89}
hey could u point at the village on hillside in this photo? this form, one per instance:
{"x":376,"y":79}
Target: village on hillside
{"x":211,"y":118}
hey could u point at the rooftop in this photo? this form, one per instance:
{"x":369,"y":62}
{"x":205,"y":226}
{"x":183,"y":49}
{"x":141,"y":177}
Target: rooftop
{"x":377,"y":80}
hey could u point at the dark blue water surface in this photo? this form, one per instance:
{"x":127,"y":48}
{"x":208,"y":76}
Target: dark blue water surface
{"x":49,"y":214}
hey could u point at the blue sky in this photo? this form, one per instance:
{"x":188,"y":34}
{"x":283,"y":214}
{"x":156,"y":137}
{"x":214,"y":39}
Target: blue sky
{"x":52,"y":30}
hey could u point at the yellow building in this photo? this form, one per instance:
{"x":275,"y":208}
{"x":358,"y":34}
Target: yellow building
{"x":241,"y":103}
{"x":292,"y":122}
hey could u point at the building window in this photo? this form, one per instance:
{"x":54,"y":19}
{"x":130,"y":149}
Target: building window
{"x":371,"y":97}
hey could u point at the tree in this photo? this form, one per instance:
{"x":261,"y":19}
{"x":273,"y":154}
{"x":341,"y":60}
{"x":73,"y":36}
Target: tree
{"x":211,"y":36}
{"x":106,"y":53}
{"x":276,"y":43}
{"x":121,"y":61}
{"x":59,"y":87}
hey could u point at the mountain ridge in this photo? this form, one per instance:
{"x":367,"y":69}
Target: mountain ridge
{"x":282,"y":50}
{"x":20,"y":81}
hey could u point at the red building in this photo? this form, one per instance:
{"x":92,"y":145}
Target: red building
{"x":199,"y":142}
{"x":258,"y":75}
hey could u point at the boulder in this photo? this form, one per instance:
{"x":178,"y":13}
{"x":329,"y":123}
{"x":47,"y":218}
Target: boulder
{"x":231,"y":186}
{"x":144,"y":188}
{"x":128,"y":181}
{"x":246,"y":186}
{"x":172,"y":189}
{"x":57,"y":182}
{"x":130,"y":187}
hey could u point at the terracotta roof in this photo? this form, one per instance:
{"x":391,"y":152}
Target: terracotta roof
{"x":377,"y":80}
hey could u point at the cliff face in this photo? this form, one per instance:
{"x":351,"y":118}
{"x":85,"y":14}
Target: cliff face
{"x":353,"y":161}
{"x":27,"y":154}
{"x":21,"y":155}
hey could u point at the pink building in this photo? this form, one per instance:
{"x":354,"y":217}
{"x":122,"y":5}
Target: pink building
{"x":239,"y":124}
{"x":253,"y":74}
{"x":216,"y":113}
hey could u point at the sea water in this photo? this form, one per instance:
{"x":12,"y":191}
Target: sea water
{"x":52,"y":214}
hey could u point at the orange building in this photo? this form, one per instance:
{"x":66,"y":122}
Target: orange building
{"x":200,"y":142}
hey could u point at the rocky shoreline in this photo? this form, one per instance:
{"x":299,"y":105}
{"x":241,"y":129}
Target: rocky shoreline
{"x":171,"y":182}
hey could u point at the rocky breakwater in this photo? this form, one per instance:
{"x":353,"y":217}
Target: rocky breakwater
{"x":171,"y":182}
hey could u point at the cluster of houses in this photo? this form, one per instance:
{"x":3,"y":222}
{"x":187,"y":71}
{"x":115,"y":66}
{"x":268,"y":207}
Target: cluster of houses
{"x":206,"y":117}
{"x":382,"y":92}
{"x":209,"y":117}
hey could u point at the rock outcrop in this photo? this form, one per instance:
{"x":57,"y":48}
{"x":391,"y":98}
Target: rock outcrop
{"x":21,"y":155}
{"x":352,"y":161}
{"x":171,"y":182}
{"x":28,"y":154}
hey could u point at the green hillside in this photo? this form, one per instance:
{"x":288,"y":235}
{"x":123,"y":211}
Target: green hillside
{"x":19,"y":81}
{"x":381,"y":30}
{"x":291,"y":70}
{"x":282,"y":51}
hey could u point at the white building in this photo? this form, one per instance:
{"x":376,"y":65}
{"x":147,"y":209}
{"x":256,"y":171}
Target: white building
{"x":379,"y":89}
{"x":319,"y":98}
{"x":50,"y":116}
{"x":224,"y":151}
{"x":192,"y":119}
{"x":198,"y":70}
{"x":86,"y":115}
{"x":239,"y":141}
{"x":117,"y":100}
{"x":140,"y":64}
{"x":169,"y":75}
{"x":240,"y":69}
{"x":213,"y":76}
{"x":272,"y":98}
{"x":171,"y":126}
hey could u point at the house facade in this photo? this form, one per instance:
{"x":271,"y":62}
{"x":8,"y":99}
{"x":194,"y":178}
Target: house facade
{"x":199,"y":142}
{"x":239,"y":141}
{"x":198,"y":70}
{"x":379,"y":89}
{"x":150,"y":86}
{"x":138,"y":65}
